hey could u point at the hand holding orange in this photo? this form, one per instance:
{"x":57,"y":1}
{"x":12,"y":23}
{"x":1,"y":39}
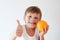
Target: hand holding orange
{"x":41,"y":24}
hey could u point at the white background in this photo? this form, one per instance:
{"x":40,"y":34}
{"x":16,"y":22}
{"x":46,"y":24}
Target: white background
{"x":11,"y":10}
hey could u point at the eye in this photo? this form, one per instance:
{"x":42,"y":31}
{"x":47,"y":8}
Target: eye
{"x":29,"y":16}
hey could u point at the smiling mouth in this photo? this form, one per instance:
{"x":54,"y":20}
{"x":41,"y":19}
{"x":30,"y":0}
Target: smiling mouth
{"x":32,"y":23}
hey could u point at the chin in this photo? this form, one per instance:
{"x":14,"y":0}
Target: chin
{"x":33,"y":26}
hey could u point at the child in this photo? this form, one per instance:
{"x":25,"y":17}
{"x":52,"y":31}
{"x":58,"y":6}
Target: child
{"x":29,"y":31}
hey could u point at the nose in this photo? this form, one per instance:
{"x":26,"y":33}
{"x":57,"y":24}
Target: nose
{"x":32,"y":19}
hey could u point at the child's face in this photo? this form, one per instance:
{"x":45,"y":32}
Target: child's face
{"x":31,"y":19}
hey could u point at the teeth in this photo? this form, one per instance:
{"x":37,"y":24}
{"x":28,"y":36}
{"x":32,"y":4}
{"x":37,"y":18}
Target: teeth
{"x":32,"y":23}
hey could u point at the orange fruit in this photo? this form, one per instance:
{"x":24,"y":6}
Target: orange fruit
{"x":41,"y":24}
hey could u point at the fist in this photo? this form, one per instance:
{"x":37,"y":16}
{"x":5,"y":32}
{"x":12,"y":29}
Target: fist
{"x":19,"y":29}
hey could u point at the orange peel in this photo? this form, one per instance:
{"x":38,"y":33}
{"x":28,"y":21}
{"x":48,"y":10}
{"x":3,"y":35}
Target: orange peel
{"x":41,"y":24}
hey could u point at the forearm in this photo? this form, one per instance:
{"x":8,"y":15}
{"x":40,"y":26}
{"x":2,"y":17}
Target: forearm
{"x":14,"y":38}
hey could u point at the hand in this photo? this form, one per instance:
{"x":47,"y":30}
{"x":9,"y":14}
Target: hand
{"x":19,"y":29}
{"x":45,"y":30}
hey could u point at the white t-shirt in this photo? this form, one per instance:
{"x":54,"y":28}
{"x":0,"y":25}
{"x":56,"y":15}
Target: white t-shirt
{"x":25,"y":36}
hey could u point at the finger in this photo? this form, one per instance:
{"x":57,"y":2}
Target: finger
{"x":47,"y":27}
{"x":19,"y":30}
{"x":43,"y":29}
{"x":18,"y":22}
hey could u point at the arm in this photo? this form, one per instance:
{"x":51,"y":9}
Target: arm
{"x":12,"y":36}
{"x":41,"y":34}
{"x":18,"y":32}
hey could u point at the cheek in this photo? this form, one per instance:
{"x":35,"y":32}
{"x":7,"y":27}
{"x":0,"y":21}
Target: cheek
{"x":36,"y":20}
{"x":27,"y":19}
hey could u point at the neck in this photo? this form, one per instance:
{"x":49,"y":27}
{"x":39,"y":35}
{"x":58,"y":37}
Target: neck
{"x":29,"y":28}
{"x":30,"y":31}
